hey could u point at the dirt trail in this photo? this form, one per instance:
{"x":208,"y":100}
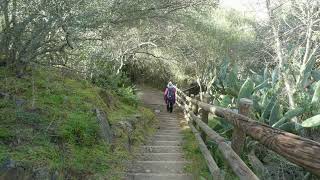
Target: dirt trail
{"x":161,"y":158}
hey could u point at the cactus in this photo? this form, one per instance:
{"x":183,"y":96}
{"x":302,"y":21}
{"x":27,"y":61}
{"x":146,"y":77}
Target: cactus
{"x":291,"y":127}
{"x":261,"y":86}
{"x":232,"y":81}
{"x":275,"y":76}
{"x":267,"y":111}
{"x":223,"y":70}
{"x":225,"y":101}
{"x":316,"y":96}
{"x":256,"y":104}
{"x":312,"y":122}
{"x":315,"y":75}
{"x":265,"y":74}
{"x":305,"y":72}
{"x":289,"y":115}
{"x":265,"y":100}
{"x":275,"y":113}
{"x":246,"y":89}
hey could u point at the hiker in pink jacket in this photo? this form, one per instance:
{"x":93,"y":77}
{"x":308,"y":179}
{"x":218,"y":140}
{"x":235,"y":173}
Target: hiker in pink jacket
{"x":170,"y":96}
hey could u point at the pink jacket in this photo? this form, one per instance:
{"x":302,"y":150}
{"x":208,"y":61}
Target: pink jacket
{"x":165,"y":95}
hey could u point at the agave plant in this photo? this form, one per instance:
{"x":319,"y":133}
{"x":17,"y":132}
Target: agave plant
{"x":268,"y":103}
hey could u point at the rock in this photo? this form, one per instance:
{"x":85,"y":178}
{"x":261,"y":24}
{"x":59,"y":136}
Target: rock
{"x":105,"y":130}
{"x":41,"y":174}
{"x":7,"y":164}
{"x":10,"y":170}
{"x":4,"y":95}
{"x":20,"y":102}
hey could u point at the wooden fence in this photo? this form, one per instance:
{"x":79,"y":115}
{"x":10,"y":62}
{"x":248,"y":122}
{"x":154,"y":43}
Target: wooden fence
{"x":296,"y":149}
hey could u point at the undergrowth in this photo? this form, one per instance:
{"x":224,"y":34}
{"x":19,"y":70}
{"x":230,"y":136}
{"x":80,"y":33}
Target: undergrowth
{"x":48,"y":121}
{"x":198,"y":167}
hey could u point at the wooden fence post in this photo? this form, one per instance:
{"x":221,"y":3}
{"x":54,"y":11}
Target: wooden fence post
{"x":238,"y":136}
{"x":194,"y":107}
{"x":205,"y":115}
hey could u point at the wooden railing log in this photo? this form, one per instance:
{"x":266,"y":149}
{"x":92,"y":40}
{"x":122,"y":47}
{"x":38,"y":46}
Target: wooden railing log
{"x":301,"y":151}
{"x":234,"y":161}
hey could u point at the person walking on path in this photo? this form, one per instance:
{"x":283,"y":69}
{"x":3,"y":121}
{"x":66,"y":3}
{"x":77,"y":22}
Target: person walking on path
{"x":170,"y":96}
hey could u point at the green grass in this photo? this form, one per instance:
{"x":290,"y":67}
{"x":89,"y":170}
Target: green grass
{"x":56,"y":127}
{"x":198,"y":167}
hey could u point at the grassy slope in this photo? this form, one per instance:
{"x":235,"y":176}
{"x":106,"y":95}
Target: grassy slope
{"x":55,"y":127}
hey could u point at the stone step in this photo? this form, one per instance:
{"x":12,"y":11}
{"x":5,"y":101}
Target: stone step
{"x":154,"y":176}
{"x":164,"y":125}
{"x":169,"y":123}
{"x":170,"y":131}
{"x":158,"y":167}
{"x":169,"y":120}
{"x":167,"y":138}
{"x":170,"y":128}
{"x":161,"y":149}
{"x":168,"y":134}
{"x":164,"y":117}
{"x":161,"y":157}
{"x":164,"y":143}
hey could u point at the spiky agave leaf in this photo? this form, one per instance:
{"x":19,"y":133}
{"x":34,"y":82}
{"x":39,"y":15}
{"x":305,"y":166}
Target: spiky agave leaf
{"x":246,"y":89}
{"x":275,"y":114}
{"x":312,"y":122}
{"x":289,"y":115}
{"x":267,"y":111}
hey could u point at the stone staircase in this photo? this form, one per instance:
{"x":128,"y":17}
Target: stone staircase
{"x":162,"y":157}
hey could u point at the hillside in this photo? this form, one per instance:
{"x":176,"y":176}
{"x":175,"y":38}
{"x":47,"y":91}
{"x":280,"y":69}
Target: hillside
{"x":49,"y":127}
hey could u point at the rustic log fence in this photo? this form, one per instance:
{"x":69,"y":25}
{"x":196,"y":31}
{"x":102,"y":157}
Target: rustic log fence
{"x":296,"y":149}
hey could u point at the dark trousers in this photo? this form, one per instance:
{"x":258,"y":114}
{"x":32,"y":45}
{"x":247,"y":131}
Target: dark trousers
{"x":170,"y":107}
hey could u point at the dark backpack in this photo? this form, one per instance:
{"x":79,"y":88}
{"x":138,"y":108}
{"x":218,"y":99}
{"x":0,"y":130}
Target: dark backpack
{"x":171,"y":94}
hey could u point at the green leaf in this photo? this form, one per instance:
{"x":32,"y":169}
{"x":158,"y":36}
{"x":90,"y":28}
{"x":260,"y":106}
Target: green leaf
{"x":265,"y":74}
{"x":265,"y":101}
{"x":246,"y":89}
{"x":225,"y":101}
{"x":289,"y":127}
{"x":232,"y":80}
{"x":267,"y":111}
{"x":261,"y":86}
{"x":315,"y":75}
{"x":223,"y":70}
{"x":275,"y":75}
{"x":316,"y":95}
{"x":256,"y":104}
{"x":275,"y":114}
{"x":312,"y":122}
{"x":289,"y":115}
